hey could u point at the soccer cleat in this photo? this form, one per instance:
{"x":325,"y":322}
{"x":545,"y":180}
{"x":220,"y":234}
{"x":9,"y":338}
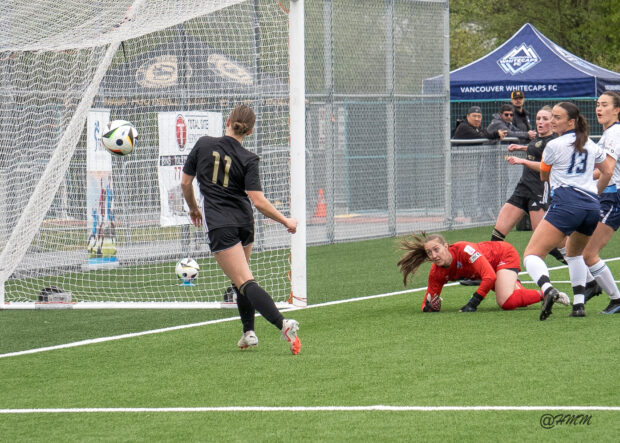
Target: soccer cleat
{"x":563,"y":299}
{"x":578,"y":311}
{"x":592,"y":290}
{"x":289,"y":333}
{"x":612,"y":308}
{"x":248,"y":340}
{"x":469,"y":282}
{"x":547,"y":304}
{"x":296,"y":346}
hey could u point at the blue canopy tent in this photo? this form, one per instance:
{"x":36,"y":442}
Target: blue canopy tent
{"x":529,"y":62}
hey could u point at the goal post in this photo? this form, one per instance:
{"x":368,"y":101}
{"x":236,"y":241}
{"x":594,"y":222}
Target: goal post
{"x":298,"y":150}
{"x":86,"y":230}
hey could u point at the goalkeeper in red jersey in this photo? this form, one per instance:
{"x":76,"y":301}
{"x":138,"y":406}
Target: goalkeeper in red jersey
{"x":495,"y":264}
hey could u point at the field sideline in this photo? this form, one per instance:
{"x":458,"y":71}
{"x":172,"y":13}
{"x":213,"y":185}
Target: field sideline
{"x":377,"y":369}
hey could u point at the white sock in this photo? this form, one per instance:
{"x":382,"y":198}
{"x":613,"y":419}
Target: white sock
{"x":589,"y":277}
{"x":579,"y":299}
{"x":577,"y":270}
{"x":605,"y":279}
{"x":537,"y":268}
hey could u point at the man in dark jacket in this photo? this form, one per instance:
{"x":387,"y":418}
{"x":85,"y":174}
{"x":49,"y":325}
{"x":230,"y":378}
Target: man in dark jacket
{"x":471,"y":128}
{"x":469,"y":178}
{"x":521,"y":118}
{"x":504,"y":121}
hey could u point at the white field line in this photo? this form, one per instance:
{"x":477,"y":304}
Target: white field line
{"x":116,"y":337}
{"x":311,"y":409}
{"x":568,"y":282}
{"x":193,"y":325}
{"x":223,"y":320}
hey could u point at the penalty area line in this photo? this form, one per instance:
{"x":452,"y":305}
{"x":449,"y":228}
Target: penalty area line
{"x":310,"y":409}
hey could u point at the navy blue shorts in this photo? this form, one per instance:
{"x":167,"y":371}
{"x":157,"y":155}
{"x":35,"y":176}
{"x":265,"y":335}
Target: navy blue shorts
{"x":569,"y":219}
{"x":610,"y":210}
{"x":221,"y":239}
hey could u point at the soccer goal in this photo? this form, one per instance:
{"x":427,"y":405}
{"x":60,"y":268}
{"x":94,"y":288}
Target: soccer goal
{"x":80,"y":228}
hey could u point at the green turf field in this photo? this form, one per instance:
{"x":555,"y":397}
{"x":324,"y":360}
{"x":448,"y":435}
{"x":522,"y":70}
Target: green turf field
{"x":379,"y":351}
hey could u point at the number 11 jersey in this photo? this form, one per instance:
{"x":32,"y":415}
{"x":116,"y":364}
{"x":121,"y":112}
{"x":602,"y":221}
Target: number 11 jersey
{"x":224,"y":170}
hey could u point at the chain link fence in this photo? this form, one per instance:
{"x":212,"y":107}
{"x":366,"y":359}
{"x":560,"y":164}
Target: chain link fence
{"x":377,"y":146}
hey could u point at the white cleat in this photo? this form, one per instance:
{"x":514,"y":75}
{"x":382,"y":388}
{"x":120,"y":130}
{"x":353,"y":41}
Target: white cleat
{"x":563,"y":299}
{"x":248,"y":340}
{"x":289,"y":333}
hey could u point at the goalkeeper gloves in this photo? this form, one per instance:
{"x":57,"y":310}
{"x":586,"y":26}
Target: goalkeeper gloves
{"x":472,"y":304}
{"x":432,"y":303}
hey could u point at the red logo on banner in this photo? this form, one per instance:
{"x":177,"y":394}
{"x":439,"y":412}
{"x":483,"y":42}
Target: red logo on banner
{"x":181,"y":129}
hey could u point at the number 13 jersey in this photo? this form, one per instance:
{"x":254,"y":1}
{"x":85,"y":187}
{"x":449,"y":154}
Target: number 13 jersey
{"x":571,"y":168}
{"x":224,"y":170}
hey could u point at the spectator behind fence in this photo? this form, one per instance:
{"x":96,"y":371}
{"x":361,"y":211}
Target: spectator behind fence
{"x":503,"y":121}
{"x":521,"y":118}
{"x":470,"y":178}
{"x":471,"y":127}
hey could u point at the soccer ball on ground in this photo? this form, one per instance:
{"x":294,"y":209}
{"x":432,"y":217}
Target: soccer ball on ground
{"x":187,"y":270}
{"x":120,"y":137}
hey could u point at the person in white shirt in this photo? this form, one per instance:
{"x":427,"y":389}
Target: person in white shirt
{"x":607,"y":114}
{"x":568,"y":164}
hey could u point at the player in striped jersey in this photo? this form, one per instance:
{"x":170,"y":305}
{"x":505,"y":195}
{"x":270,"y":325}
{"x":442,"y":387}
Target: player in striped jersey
{"x":495,"y":264}
{"x":568,"y":163}
{"x":607,"y":114}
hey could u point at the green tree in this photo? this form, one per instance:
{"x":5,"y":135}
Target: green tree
{"x":589,"y":29}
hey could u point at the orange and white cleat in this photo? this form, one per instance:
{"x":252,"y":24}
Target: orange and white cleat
{"x":289,"y":333}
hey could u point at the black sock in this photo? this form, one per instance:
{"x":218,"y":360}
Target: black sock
{"x":555,"y":252}
{"x":262,"y":302}
{"x":246,"y":311}
{"x":497,"y":236}
{"x":591,"y":284}
{"x":544,"y":284}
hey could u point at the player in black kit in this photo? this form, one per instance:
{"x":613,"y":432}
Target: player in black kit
{"x":531,"y":196}
{"x":228,"y":177}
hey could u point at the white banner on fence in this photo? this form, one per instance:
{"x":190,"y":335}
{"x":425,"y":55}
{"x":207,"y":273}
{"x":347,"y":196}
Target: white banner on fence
{"x":101,"y":243}
{"x":178,"y":132}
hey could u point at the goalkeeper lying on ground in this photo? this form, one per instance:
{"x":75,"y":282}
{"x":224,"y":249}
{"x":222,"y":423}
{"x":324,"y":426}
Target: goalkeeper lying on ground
{"x":495,"y":264}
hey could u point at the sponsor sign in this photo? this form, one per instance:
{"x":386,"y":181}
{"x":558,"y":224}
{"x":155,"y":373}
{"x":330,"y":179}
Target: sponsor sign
{"x":178,"y":133}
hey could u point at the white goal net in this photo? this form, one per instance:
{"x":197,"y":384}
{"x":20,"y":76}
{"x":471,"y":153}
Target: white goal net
{"x":78,"y":224}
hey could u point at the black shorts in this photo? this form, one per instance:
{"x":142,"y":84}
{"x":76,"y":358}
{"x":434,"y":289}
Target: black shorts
{"x":221,"y":239}
{"x":526,"y":200}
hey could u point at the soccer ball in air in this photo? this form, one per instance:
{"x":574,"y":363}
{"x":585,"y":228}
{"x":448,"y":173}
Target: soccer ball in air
{"x":187,"y":270}
{"x":120,"y":137}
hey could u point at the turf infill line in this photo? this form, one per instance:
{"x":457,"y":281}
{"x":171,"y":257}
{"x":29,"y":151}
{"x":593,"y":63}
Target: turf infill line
{"x":309,"y":409}
{"x":223,"y":320}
